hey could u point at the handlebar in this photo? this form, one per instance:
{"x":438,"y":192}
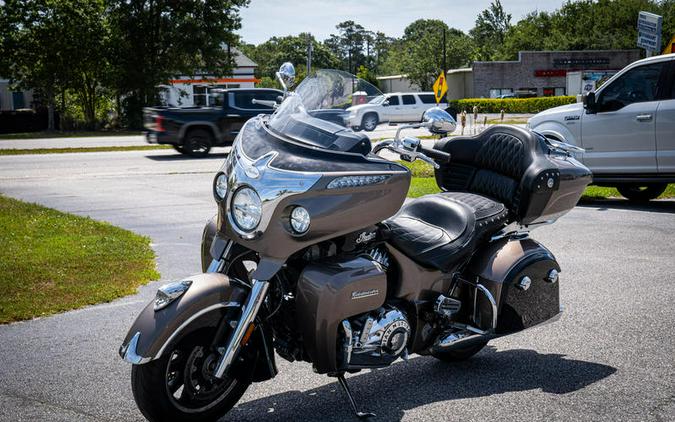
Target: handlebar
{"x":435,"y":154}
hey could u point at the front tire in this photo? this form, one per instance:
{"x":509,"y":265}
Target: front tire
{"x":642,"y":193}
{"x":198,"y":143}
{"x":369,"y":122}
{"x":178,"y":386}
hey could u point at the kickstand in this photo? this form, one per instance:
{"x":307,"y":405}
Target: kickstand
{"x":343,"y":384}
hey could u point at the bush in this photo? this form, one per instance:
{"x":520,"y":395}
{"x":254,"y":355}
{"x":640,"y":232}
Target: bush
{"x":510,"y":105}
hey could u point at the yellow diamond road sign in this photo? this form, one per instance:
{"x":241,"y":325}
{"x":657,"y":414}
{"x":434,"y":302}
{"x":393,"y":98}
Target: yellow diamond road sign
{"x":440,"y":87}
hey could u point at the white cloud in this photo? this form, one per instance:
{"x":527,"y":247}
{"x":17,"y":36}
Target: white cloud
{"x":266,"y":18}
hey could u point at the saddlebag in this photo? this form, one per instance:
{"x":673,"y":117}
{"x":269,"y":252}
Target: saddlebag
{"x":522,"y":277}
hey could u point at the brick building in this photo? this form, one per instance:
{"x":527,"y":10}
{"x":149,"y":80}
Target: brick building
{"x":544,"y":73}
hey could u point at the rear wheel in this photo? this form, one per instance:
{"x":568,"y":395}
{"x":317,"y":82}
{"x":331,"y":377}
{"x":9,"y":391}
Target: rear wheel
{"x":179,"y":386}
{"x":198,"y":143}
{"x":459,"y":355}
{"x":642,"y":193}
{"x":179,"y":148}
{"x":369,"y":122}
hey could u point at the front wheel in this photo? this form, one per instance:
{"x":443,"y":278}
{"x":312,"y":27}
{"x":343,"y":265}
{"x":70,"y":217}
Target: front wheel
{"x":369,"y":122}
{"x":198,"y":143}
{"x":642,"y":193}
{"x":179,"y":385}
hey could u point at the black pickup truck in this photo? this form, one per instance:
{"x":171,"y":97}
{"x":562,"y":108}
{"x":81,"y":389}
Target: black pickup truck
{"x":194,"y":130}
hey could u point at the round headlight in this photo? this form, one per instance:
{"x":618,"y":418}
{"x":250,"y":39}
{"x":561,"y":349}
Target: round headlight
{"x":246,"y":209}
{"x":220,"y":186}
{"x":300,"y":220}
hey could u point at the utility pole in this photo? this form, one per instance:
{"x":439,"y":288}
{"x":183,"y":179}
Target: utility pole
{"x":445,"y":65}
{"x":310,"y":48}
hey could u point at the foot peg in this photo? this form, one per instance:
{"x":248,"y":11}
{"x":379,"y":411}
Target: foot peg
{"x":352,"y":402}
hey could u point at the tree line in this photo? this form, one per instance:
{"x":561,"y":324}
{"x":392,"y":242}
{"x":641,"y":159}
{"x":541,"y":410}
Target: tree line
{"x":418,"y":53}
{"x":89,"y":58}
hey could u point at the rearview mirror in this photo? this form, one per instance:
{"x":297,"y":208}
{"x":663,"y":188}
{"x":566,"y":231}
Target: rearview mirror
{"x":438,"y":121}
{"x":286,"y":75}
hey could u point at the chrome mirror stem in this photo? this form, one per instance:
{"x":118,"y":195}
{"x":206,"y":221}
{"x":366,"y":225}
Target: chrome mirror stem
{"x":249,"y":312}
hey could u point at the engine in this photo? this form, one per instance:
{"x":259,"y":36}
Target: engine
{"x":375,"y":339}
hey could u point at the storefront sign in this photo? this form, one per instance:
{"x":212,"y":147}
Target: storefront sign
{"x":549,"y":73}
{"x":581,"y":62}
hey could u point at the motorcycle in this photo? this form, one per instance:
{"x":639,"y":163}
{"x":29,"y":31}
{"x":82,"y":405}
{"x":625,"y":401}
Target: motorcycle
{"x":315,"y":254}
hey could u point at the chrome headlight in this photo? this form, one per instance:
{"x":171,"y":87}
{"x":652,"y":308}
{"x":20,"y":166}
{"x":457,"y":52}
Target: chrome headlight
{"x":220,"y":186}
{"x":246,"y":209}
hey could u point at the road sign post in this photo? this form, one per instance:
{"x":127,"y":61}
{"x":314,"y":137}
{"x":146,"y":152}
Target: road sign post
{"x":440,"y":87}
{"x":649,"y":32}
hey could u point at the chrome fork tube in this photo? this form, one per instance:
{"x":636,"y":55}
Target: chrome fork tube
{"x":249,"y":312}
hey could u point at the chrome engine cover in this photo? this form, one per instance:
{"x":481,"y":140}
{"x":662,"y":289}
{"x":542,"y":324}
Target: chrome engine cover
{"x":377,"y":338}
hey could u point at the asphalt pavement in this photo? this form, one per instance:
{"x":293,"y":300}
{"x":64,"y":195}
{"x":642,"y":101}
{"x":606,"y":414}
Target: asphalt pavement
{"x":610,"y":357}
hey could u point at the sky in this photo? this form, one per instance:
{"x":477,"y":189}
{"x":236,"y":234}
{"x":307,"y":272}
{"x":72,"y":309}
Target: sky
{"x":263,"y":19}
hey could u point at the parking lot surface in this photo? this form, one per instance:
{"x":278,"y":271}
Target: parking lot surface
{"x":610,"y":357}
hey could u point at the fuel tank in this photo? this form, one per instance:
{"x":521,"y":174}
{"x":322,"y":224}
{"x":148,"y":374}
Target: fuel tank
{"x":342,"y":191}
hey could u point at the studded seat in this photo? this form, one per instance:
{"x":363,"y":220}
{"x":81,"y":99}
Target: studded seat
{"x":439,"y":230}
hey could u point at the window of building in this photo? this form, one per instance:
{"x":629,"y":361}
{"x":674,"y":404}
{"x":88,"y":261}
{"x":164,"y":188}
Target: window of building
{"x":428,"y":98}
{"x":408,"y":99}
{"x":199,"y":95}
{"x":498,"y":92}
{"x":18,"y":99}
{"x":526,"y":92}
{"x":637,"y":85}
{"x":393,"y":100}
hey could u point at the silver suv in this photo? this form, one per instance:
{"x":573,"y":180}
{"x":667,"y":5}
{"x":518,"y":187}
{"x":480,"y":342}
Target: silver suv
{"x":627,"y":128}
{"x":397,"y":107}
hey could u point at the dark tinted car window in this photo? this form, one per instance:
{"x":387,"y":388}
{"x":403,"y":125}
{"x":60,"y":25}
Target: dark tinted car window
{"x":427,"y":98}
{"x":244,"y":99}
{"x":393,"y":100}
{"x":635,"y":86}
{"x":408,"y":99}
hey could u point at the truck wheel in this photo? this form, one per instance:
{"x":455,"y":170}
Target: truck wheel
{"x":179,"y":148}
{"x":369,"y":122}
{"x":198,"y":143}
{"x":642,"y":193}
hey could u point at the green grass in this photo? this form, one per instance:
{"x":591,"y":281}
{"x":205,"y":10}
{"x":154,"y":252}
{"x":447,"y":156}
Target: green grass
{"x":66,"y":134}
{"x":30,"y":151}
{"x":53,"y":262}
{"x":601,"y":192}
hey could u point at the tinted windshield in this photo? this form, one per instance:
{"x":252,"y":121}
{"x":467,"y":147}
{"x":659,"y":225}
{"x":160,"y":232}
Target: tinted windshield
{"x":316,"y":112}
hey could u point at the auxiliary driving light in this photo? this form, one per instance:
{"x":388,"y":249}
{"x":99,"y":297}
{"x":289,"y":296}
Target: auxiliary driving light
{"x":220,"y":186}
{"x":300,"y":220}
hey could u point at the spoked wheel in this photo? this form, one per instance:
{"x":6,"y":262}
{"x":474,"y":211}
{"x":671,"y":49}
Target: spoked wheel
{"x":197,"y":143}
{"x":180,"y":385}
{"x":369,"y":122}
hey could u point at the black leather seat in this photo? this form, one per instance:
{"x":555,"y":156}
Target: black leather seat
{"x":438,"y":230}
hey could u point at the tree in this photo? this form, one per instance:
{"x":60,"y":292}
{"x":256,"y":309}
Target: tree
{"x":490,"y":30}
{"x":153,"y":41}
{"x":348,"y":45}
{"x":53,"y":45}
{"x":421,"y":51}
{"x":528,"y":34}
{"x":273,"y":52}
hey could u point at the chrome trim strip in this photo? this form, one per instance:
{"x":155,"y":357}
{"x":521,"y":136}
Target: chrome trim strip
{"x":189,"y":320}
{"x":130,"y":354}
{"x":250,"y":310}
{"x":493,"y":303}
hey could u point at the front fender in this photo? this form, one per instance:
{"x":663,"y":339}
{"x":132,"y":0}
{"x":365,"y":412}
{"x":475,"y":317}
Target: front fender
{"x":203,"y":303}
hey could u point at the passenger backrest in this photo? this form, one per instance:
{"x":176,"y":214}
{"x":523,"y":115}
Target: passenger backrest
{"x":492,"y":163}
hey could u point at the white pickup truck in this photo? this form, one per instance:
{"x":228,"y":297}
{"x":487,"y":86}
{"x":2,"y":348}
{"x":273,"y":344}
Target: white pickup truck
{"x":627,"y":128}
{"x":396,"y":107}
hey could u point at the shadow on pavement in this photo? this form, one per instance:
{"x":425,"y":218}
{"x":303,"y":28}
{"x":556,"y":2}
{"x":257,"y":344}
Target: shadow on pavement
{"x":182,"y":157}
{"x":390,"y":391}
{"x":663,"y":206}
